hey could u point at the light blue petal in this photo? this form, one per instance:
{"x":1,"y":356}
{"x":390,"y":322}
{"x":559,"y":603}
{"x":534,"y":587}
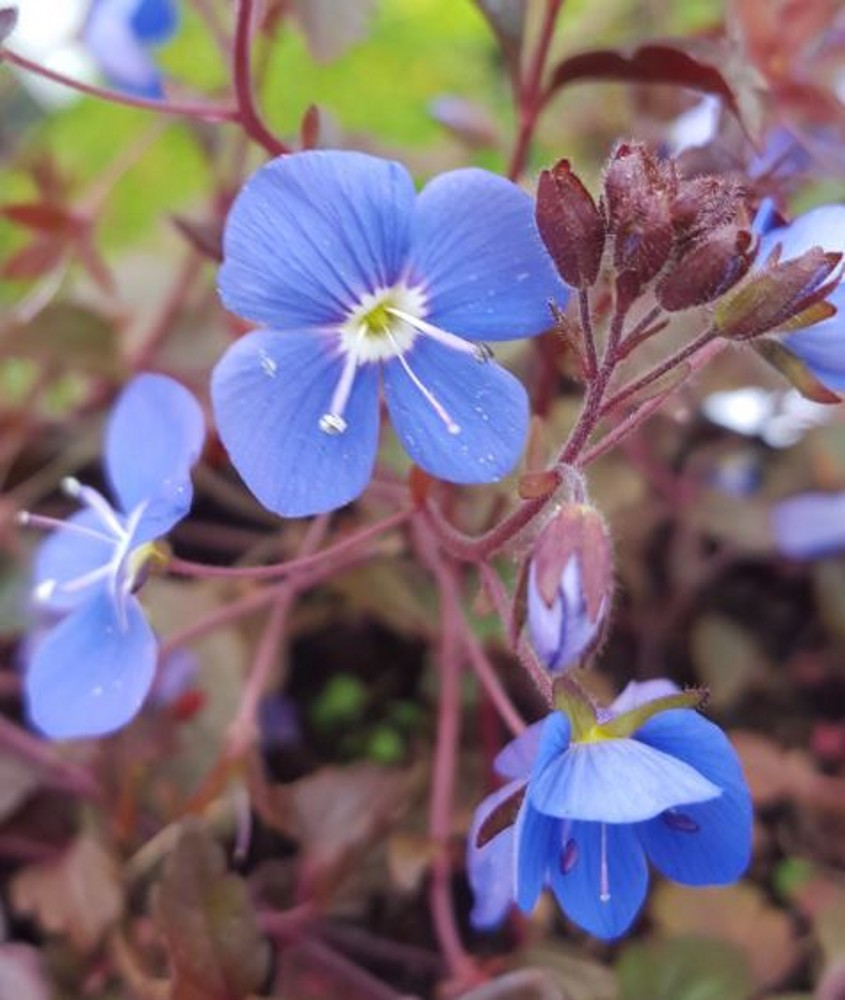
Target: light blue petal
{"x":92,"y":672}
{"x":601,"y":860}
{"x":269,"y":391}
{"x":65,"y":556}
{"x":809,"y":525}
{"x":487,"y":407}
{"x":637,"y":693}
{"x":718,"y":851}
{"x":821,"y":346}
{"x":490,"y":869}
{"x":616,"y":781}
{"x":310,"y":234}
{"x":153,"y":439}
{"x":537,"y":845}
{"x":477,"y":253}
{"x":517,"y":758}
{"x":820,"y":227}
{"x":122,"y":58}
{"x":154,"y":21}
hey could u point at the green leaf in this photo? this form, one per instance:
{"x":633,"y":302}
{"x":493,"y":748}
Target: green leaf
{"x":684,"y":969}
{"x":205,"y":915}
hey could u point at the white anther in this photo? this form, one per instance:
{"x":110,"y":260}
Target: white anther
{"x":332,"y":423}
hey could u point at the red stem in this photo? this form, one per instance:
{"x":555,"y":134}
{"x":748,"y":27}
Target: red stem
{"x":530,"y":93}
{"x":248,"y":114}
{"x":202,"y":110}
{"x":182,"y":567}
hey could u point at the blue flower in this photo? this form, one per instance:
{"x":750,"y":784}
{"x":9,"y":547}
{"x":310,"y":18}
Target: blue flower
{"x":353,"y":276}
{"x":821,"y":346}
{"x":809,"y":525}
{"x":90,"y":673}
{"x":593,"y":796}
{"x":120,"y":34}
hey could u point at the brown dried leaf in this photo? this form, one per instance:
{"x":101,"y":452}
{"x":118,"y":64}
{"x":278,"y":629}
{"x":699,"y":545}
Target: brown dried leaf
{"x":739,"y":914}
{"x":205,"y":915}
{"x":79,"y":895}
{"x":337,"y":811}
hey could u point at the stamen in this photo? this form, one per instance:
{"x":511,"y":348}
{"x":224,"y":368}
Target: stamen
{"x":332,"y":422}
{"x":27,"y":520}
{"x":604,"y":879}
{"x":438,"y":407}
{"x":680,"y":821}
{"x":481,"y":352}
{"x":120,"y":583}
{"x":95,"y":501}
{"x":81,"y":582}
{"x":569,"y":858}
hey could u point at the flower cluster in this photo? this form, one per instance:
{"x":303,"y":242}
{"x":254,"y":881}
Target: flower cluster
{"x":94,"y":663}
{"x":593,"y":794}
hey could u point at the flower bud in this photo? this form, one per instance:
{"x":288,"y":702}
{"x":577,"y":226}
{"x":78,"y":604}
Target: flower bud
{"x":639,"y":191}
{"x":570,"y":582}
{"x":570,"y":225}
{"x":707,"y":270}
{"x":781,"y":295}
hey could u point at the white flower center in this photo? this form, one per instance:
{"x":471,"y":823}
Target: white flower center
{"x":384,"y":326}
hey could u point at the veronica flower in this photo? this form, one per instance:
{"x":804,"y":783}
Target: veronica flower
{"x":90,"y":673}
{"x":120,"y":36}
{"x":595,"y":795}
{"x":809,"y":525}
{"x":354,"y":278}
{"x":821,"y":346}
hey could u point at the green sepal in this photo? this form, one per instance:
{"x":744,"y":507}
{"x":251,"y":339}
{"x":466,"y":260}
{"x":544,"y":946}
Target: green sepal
{"x":628,"y":723}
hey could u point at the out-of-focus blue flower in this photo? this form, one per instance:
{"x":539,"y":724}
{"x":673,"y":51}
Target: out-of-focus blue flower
{"x":570,"y":582}
{"x":355,"y":279}
{"x":592,"y":795}
{"x":121,"y":34}
{"x":809,"y":525}
{"x":90,"y":673}
{"x":821,"y":346}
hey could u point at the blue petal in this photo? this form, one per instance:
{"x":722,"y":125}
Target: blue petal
{"x":269,"y":391}
{"x":537,"y":845}
{"x":490,"y":868}
{"x":121,"y":57}
{"x":154,"y":21}
{"x":153,"y":439}
{"x":487,"y":405}
{"x":718,"y":851}
{"x":66,"y":555}
{"x":92,"y":672}
{"x":310,"y":234}
{"x":638,"y":693}
{"x":809,"y":525}
{"x":821,"y":346}
{"x":616,"y":781}
{"x":477,"y":253}
{"x":517,"y":758}
{"x":579,"y":883}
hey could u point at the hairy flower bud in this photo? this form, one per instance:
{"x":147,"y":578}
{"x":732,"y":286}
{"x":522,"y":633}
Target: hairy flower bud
{"x":639,"y":190}
{"x":570,"y":581}
{"x":707,"y":270}
{"x":570,"y":225}
{"x":781,"y":295}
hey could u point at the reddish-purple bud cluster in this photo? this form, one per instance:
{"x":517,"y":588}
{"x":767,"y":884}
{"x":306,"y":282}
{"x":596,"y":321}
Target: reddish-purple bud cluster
{"x":689,"y":239}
